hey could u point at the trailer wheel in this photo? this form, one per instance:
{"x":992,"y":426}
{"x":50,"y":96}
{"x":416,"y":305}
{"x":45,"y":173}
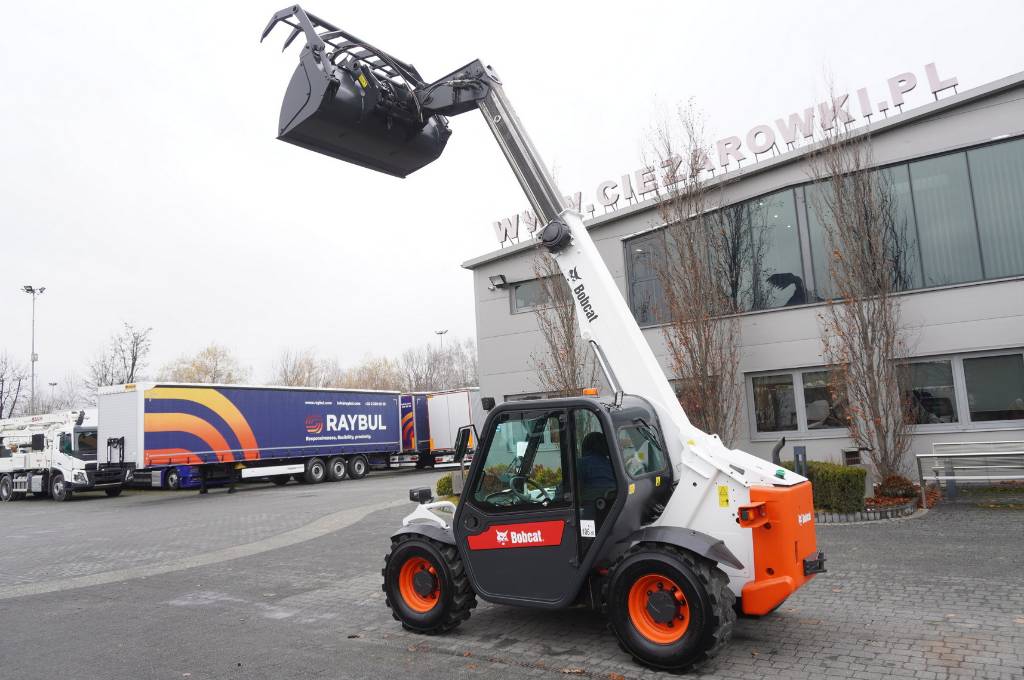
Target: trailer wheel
{"x":669,"y":608}
{"x":172,"y":480}
{"x":358,"y":467}
{"x":425,"y":585}
{"x":316,"y":471}
{"x":336,"y":469}
{"x":114,"y":493}
{"x":59,"y":489}
{"x":6,"y":489}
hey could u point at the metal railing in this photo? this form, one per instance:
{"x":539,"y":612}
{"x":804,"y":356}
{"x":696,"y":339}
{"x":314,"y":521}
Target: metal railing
{"x":956,"y":463}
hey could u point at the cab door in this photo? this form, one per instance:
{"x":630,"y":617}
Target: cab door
{"x":516,"y":524}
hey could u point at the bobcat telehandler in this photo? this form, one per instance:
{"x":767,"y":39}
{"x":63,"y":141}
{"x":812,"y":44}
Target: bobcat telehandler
{"x":617,"y":503}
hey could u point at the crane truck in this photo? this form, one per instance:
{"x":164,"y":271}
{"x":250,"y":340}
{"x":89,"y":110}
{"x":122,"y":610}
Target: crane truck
{"x":54,"y":455}
{"x":617,"y":502}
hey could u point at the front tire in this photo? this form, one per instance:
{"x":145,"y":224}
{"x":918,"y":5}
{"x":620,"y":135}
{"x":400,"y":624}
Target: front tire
{"x":6,"y":489}
{"x":669,"y":608}
{"x":316,"y":471}
{"x":425,"y":585}
{"x":358,"y":467}
{"x":336,"y":469}
{"x":60,"y":490}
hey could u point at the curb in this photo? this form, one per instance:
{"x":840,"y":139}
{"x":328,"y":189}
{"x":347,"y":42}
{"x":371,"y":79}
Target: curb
{"x":896,"y":512}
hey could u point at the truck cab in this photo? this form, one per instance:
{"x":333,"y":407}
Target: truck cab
{"x":55,"y":455}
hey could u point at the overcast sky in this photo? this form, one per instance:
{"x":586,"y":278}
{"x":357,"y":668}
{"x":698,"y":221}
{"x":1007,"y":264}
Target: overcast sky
{"x":142,"y":180}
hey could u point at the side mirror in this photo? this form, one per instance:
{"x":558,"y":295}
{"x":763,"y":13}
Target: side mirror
{"x":487,"y":403}
{"x":465,"y":441}
{"x":38,"y":442}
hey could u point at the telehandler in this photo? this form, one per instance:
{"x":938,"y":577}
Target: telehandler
{"x":619,"y":502}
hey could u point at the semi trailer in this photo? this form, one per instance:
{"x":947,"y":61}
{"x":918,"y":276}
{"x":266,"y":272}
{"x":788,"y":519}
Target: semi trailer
{"x":171,"y":433}
{"x":448,"y":411}
{"x":54,"y":455}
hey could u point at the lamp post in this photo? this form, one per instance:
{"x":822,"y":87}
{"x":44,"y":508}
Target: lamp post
{"x":34,"y":292}
{"x":52,"y":385}
{"x":440,"y":334}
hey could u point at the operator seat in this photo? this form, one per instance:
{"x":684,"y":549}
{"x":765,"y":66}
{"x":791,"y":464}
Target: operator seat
{"x":597,"y":477}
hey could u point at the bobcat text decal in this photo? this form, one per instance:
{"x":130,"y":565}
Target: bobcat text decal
{"x":580,"y":292}
{"x":525,"y":535}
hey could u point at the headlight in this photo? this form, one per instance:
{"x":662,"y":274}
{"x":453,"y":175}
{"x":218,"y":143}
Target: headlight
{"x":80,"y":477}
{"x":129,"y":475}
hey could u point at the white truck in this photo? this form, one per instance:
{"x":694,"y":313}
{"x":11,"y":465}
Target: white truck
{"x":447,"y":412}
{"x":53,"y":455}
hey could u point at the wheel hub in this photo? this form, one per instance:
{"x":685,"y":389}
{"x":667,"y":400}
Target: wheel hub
{"x":424,"y":583}
{"x":662,"y":606}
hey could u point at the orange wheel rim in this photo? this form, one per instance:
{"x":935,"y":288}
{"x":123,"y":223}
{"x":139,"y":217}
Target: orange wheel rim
{"x":658,"y":632}
{"x":406,"y":585}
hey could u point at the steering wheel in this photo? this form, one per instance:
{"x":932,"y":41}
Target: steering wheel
{"x":514,"y":494}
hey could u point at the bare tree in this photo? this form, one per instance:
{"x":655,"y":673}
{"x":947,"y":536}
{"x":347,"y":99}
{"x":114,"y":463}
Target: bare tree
{"x":864,"y":338}
{"x":13,"y":382}
{"x":303,"y":368}
{"x":566,"y":364}
{"x":212,"y":364}
{"x":121,"y":361}
{"x":67,"y":394}
{"x":372,"y":373}
{"x":705,"y":275}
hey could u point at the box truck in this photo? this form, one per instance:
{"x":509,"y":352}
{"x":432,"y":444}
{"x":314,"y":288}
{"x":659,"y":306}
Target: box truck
{"x":171,"y":433}
{"x":54,"y":455}
{"x":447,"y":412}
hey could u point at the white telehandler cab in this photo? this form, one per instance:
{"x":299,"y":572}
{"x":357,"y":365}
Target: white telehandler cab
{"x":618,"y":503}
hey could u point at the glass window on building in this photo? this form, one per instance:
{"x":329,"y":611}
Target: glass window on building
{"x":822,"y":409}
{"x":995,"y":387}
{"x":897,"y":217}
{"x":645,"y":296}
{"x":529,"y":295}
{"x":997,"y":177}
{"x":945,"y":220}
{"x":928,"y":393}
{"x":775,"y":269}
{"x":774,"y":403}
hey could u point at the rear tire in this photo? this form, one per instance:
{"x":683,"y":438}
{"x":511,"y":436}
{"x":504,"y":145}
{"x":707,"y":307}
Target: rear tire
{"x":6,"y":489}
{"x":690,"y":590}
{"x":172,"y":480}
{"x":114,"y":493}
{"x":425,"y":585}
{"x":358,"y":467}
{"x":316,"y":471}
{"x":59,"y":489}
{"x":336,"y":469}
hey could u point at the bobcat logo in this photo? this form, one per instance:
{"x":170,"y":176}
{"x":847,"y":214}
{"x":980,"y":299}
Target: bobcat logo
{"x":573,"y":275}
{"x":501,"y":536}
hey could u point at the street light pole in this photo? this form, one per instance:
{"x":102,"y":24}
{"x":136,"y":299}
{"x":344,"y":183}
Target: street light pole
{"x":440,"y":334}
{"x":34,"y":292}
{"x":52,"y":385}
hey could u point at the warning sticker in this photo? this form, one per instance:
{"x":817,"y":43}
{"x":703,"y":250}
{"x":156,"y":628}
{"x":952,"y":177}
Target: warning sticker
{"x":723,"y":496}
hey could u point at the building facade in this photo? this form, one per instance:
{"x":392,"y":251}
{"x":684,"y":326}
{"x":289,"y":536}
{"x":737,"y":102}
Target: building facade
{"x":956,"y":170}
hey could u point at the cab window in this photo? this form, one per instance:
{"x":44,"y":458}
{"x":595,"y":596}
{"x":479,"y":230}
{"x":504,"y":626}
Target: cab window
{"x":87,"y":442}
{"x":524,"y":466}
{"x":641,"y":449}
{"x":595,"y":473}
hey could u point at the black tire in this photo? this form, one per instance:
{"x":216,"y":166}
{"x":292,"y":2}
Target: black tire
{"x":59,"y":489}
{"x":336,"y":469}
{"x":280,"y":480}
{"x":707,"y":619}
{"x":172,"y":480}
{"x":358,"y":467}
{"x":6,"y":489}
{"x":114,"y":492}
{"x":454,"y":598}
{"x":316,"y":471}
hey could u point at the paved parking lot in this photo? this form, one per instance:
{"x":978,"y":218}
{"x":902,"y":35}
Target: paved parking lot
{"x":284,"y":583}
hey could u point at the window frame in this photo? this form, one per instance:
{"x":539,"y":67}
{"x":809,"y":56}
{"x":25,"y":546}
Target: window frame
{"x":806,"y":249}
{"x":964,"y":422}
{"x":514,"y":308}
